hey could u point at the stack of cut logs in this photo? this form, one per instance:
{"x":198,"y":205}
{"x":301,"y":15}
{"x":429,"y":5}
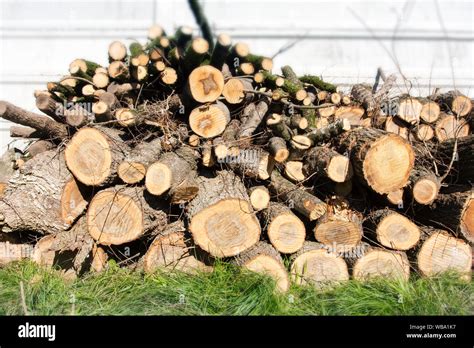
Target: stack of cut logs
{"x":183,"y":151}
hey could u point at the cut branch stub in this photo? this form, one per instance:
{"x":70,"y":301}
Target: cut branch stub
{"x":93,"y":155}
{"x":123,"y":214}
{"x":205,"y":83}
{"x":285,"y":230}
{"x":316,"y":264}
{"x":222,"y":221}
{"x":381,"y":160}
{"x":209,"y":121}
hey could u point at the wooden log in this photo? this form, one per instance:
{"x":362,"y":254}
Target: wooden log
{"x":456,"y":102}
{"x":50,"y":107}
{"x":354,"y":114}
{"x":340,"y":227}
{"x":221,"y":51}
{"x":264,"y":259}
{"x":254,"y":119}
{"x":430,"y":111}
{"x":316,"y":264}
{"x":318,"y":83}
{"x":40,"y":146}
{"x":454,"y":211}
{"x":133,"y":169}
{"x":326,"y":162}
{"x":259,"y":197}
{"x":123,"y":214}
{"x":118,"y":71}
{"x":424,"y":132}
{"x":278,"y":150}
{"x":209,"y":120}
{"x":440,"y":252}
{"x":41,"y":123}
{"x":462,"y":149}
{"x":205,"y":84}
{"x":409,"y":109}
{"x":173,"y":251}
{"x":155,"y":31}
{"x":368,"y":262}
{"x":236,"y":90}
{"x":285,"y":230}
{"x":382,"y":161}
{"x":117,"y":51}
{"x":221,"y":217}
{"x":449,"y":127}
{"x":32,"y":199}
{"x":195,"y":53}
{"x":294,"y":171}
{"x":85,"y":66}
{"x":93,"y":155}
{"x":391,"y":229}
{"x":77,"y":116}
{"x":424,"y":185}
{"x":75,"y":198}
{"x":25,"y":132}
{"x":395,"y":126}
{"x":100,"y":80}
{"x":300,"y":200}
{"x":170,"y":173}
{"x":253,"y":163}
{"x":332,"y":130}
{"x":362,"y":93}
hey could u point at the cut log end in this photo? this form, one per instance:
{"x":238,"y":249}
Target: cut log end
{"x":158,"y":178}
{"x":206,"y":84}
{"x":209,"y":121}
{"x":131,"y":172}
{"x":442,"y":252}
{"x":286,"y":231}
{"x":397,"y":232}
{"x":398,"y":159}
{"x":425,"y":190}
{"x":259,"y":198}
{"x":319,"y":267}
{"x":226,"y":228}
{"x":343,"y":235}
{"x":381,"y":264}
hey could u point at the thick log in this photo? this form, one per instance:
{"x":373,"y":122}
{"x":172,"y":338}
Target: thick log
{"x":450,"y":127}
{"x":221,"y":217}
{"x":205,"y":84}
{"x":440,"y":252}
{"x":94,"y":154}
{"x":392,"y":230}
{"x":285,"y":230}
{"x":263,"y":258}
{"x":316,"y":264}
{"x":455,"y":102}
{"x":300,"y":200}
{"x":340,"y":227}
{"x":462,"y":170}
{"x":368,"y":262}
{"x":382,"y":161}
{"x":430,"y":111}
{"x":43,"y":124}
{"x":123,"y":214}
{"x":324,"y":161}
{"x":195,"y":53}
{"x":454,"y":211}
{"x":32,"y":199}
{"x":209,"y":120}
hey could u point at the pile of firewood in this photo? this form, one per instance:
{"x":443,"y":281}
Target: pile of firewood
{"x":183,"y":151}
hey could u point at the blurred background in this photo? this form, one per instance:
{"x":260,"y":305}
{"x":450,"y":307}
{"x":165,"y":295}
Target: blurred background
{"x":429,"y":42}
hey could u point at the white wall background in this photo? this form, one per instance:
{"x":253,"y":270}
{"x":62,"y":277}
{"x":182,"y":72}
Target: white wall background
{"x":342,"y":40}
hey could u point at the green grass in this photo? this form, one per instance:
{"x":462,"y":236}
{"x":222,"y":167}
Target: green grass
{"x":226,"y":291}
